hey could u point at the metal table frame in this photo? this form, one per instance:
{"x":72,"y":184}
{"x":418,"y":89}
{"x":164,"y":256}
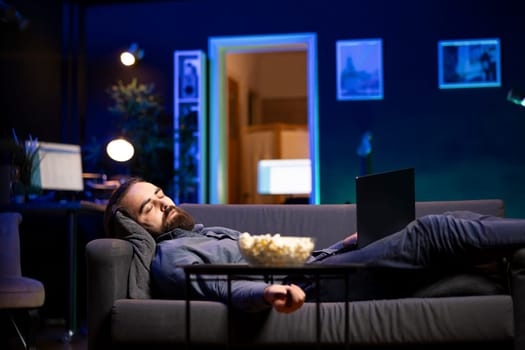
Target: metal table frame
{"x":236,"y":271}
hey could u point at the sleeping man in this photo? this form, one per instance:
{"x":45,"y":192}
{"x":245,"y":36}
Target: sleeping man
{"x":433,"y":242}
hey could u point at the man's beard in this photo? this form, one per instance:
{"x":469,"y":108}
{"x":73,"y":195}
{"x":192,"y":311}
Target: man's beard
{"x":181,"y":220}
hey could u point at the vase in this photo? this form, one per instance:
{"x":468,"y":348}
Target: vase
{"x":18,"y":186}
{"x":5,"y":184}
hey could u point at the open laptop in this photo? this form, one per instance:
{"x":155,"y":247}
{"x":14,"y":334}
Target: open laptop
{"x":385,"y":203}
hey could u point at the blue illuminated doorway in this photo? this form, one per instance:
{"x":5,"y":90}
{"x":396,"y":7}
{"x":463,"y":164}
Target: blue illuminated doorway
{"x":218,"y":47}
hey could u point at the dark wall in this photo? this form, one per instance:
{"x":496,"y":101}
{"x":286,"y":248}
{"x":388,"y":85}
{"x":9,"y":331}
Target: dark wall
{"x":464,"y":143}
{"x":30,"y":71}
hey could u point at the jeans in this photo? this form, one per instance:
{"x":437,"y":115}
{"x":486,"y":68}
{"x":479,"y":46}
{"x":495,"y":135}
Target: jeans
{"x":425,"y":249}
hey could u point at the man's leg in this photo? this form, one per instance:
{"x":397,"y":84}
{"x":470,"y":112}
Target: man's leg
{"x":425,"y":249}
{"x":434,"y":240}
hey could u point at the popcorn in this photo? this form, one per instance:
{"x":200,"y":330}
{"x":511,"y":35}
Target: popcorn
{"x":275,"y":250}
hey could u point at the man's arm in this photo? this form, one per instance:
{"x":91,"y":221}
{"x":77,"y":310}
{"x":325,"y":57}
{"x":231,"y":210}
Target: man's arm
{"x":348,"y":243}
{"x":248,"y":294}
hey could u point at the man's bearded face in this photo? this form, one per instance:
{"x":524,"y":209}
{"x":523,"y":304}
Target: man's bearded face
{"x":175,"y":217}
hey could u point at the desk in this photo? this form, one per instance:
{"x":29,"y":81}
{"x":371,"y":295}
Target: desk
{"x":236,"y":271}
{"x":71,"y":209}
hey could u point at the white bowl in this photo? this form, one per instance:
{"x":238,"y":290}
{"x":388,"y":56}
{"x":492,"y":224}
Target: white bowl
{"x":275,"y":250}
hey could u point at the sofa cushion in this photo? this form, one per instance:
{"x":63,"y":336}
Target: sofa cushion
{"x":463,"y":285}
{"x":399,"y":321}
{"x":21,"y":292}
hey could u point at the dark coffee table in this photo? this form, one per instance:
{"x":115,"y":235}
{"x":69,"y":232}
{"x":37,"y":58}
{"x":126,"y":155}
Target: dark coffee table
{"x":231,"y":272}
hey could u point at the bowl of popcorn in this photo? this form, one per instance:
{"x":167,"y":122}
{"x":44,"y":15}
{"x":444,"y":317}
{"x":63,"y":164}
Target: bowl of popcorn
{"x":275,"y":250}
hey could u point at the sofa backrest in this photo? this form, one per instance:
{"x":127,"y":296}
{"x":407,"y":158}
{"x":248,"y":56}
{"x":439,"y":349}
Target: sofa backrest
{"x":328,"y":223}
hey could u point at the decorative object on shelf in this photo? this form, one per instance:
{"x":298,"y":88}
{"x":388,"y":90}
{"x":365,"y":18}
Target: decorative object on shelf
{"x":364,"y":151}
{"x":5,"y":183}
{"x":189,"y":127}
{"x":7,"y":146}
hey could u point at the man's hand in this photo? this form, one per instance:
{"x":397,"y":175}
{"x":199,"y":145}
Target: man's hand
{"x":350,"y":241}
{"x":284,"y":298}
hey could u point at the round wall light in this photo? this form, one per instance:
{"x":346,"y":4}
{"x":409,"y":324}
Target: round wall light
{"x":120,"y":150}
{"x":132,"y":55}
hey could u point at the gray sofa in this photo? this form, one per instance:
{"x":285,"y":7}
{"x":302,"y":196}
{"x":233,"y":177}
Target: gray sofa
{"x":478,"y":317}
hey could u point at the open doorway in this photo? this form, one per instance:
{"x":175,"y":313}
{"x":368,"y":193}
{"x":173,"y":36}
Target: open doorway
{"x":267,"y":112}
{"x":220,"y":102}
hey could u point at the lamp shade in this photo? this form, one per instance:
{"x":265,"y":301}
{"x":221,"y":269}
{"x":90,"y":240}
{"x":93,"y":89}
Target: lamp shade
{"x":120,"y":150}
{"x":284,"y":176}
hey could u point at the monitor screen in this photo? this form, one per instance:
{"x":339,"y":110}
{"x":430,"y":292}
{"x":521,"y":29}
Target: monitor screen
{"x":284,"y":176}
{"x":58,"y":167}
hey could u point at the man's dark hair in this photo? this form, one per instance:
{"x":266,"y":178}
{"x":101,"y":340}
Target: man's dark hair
{"x":114,"y":205}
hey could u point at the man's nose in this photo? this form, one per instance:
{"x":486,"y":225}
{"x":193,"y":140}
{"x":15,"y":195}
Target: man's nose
{"x":160,"y":203}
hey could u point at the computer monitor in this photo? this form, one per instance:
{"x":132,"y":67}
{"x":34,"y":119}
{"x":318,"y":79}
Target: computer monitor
{"x":284,"y":176}
{"x":58,"y":167}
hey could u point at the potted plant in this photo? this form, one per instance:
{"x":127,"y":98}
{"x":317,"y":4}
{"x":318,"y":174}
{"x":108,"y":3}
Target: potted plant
{"x":18,"y":159}
{"x":142,"y":121}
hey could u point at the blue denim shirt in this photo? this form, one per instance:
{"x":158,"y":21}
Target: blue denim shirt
{"x":203,"y":245}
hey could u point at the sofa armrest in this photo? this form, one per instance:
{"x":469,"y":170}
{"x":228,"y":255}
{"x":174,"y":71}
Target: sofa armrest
{"x":107,"y":266}
{"x":517,"y":275}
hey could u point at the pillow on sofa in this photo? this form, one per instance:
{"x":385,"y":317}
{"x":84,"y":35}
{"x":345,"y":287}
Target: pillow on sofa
{"x":139,"y":283}
{"x":463,"y":285}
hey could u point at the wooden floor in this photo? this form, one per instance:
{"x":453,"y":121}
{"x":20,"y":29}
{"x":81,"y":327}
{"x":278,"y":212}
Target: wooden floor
{"x":50,"y":338}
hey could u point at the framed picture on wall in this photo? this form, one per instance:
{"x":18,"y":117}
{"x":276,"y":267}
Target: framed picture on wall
{"x":359,"y":69}
{"x":471,"y":63}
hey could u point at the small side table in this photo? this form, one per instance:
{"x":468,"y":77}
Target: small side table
{"x":236,"y":271}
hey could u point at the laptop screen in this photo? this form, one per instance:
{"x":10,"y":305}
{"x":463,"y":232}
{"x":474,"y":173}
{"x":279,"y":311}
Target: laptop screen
{"x":385,"y":203}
